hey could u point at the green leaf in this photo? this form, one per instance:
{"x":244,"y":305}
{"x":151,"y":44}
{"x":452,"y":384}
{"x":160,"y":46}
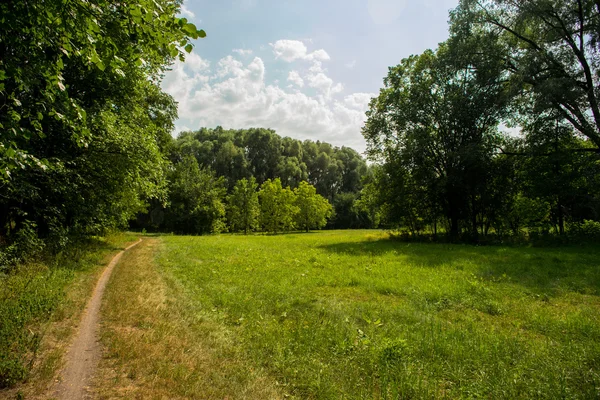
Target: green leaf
{"x":189,"y":48}
{"x":2,"y":75}
{"x":191,"y":30}
{"x":201,"y":33}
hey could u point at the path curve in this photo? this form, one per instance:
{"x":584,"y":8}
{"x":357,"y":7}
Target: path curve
{"x":83,"y":355}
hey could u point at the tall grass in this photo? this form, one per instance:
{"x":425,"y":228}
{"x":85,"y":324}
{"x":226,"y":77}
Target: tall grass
{"x":354,"y":315}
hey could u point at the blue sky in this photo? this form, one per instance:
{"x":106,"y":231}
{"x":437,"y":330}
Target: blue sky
{"x":305,"y":68}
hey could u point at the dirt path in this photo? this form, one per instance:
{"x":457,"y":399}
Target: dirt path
{"x":83,"y":355}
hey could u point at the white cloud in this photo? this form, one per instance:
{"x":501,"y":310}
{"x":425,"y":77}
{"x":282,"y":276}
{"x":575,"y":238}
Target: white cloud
{"x":186,"y":12}
{"x":358,"y":101}
{"x":196,"y":63}
{"x":323,"y":84}
{"x":295,"y":78}
{"x":351,"y":64}
{"x":292,"y":50}
{"x":235,"y":95}
{"x":243,"y":52}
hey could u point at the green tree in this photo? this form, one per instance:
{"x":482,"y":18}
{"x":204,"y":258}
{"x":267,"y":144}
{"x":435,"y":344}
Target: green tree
{"x":196,"y":199}
{"x":435,"y":121}
{"x":243,"y":207}
{"x":551,"y":54}
{"x":277,"y":208}
{"x":313,"y":209}
{"x":83,"y":120}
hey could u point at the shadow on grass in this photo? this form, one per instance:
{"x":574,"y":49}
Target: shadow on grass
{"x":544,"y":270}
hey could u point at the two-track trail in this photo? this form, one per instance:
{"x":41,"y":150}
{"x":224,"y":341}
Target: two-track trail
{"x":84,"y":353}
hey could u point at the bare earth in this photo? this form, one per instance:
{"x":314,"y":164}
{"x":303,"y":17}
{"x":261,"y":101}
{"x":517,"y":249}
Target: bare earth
{"x":85,"y":351}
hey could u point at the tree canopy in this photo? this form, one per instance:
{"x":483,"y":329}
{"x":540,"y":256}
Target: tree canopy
{"x":82,"y":115}
{"x":435,"y":134}
{"x":550,"y":53}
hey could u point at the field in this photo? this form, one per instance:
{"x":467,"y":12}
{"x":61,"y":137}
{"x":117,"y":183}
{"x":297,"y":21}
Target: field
{"x":353,"y":315}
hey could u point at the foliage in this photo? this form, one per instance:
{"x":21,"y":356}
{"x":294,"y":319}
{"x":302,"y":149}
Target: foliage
{"x":551,"y":54}
{"x":196,"y":199}
{"x":313,"y":209}
{"x":243,"y":208}
{"x":586,"y":230}
{"x":277,"y":207}
{"x":528,"y":213}
{"x":433,"y":127}
{"x":82,"y":116}
{"x":262,"y":154}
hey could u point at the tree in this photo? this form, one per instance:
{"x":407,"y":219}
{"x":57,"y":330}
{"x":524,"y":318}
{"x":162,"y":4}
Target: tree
{"x":243,"y":207}
{"x":555,"y":171}
{"x":82,"y":116}
{"x":436,"y":121}
{"x":277,"y":208}
{"x":313,"y":209}
{"x":196,"y":199}
{"x":552,"y":54}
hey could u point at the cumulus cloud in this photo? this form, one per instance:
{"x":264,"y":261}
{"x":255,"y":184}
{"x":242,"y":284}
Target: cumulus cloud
{"x":295,"y":78}
{"x":196,"y":63}
{"x":291,"y":50}
{"x":235,"y":94}
{"x":186,"y":12}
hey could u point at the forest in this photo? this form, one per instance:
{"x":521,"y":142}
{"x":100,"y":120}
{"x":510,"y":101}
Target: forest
{"x":491,"y":138}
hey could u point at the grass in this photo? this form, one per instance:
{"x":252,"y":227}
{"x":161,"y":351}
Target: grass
{"x":40,"y":305}
{"x":160,"y":347}
{"x":354,"y":315}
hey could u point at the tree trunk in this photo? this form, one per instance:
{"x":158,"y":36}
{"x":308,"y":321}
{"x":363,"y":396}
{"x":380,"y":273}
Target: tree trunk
{"x":454,"y":227}
{"x":561,"y":218}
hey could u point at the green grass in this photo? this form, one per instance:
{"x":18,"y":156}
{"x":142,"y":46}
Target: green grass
{"x":38,"y":294}
{"x":353,"y":315}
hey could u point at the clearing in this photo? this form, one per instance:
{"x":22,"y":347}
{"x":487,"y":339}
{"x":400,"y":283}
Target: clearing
{"x":350,"y":314}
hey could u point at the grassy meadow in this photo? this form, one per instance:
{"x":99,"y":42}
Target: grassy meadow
{"x":354,"y":315}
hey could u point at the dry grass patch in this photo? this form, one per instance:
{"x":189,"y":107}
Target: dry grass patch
{"x":159,"y":346}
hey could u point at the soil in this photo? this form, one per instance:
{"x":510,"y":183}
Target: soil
{"x":82,"y":357}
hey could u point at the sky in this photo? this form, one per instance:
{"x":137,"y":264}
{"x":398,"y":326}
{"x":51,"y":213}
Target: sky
{"x":305,"y":68}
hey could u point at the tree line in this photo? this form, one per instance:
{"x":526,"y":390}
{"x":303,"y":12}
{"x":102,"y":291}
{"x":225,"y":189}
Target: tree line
{"x":207,"y":166}
{"x":200,"y":204}
{"x":443,"y":163}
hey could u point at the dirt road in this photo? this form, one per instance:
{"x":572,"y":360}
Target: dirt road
{"x":85,"y":351}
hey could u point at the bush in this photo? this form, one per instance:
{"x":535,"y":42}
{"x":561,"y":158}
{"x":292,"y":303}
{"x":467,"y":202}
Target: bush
{"x":25,"y":246}
{"x":586,"y":230}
